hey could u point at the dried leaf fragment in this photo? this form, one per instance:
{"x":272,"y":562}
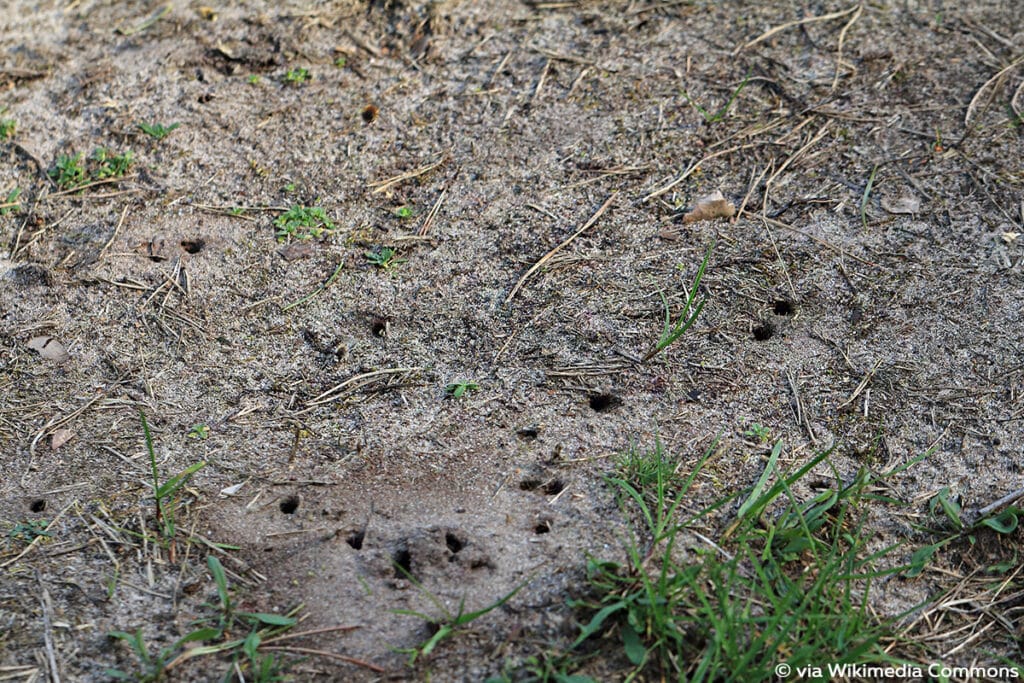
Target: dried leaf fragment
{"x":49,"y":348}
{"x":708,"y":208}
{"x":60,"y":437}
{"x":232,"y":490}
{"x":296,"y":250}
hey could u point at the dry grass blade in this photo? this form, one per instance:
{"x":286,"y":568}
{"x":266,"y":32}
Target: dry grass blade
{"x":354,"y":382}
{"x":972,"y":107}
{"x":790,"y":228}
{"x":842,"y":41}
{"x":385,"y":185}
{"x":328,"y":655}
{"x":790,"y":24}
{"x":547,"y":257}
{"x":429,"y":220}
{"x":693,"y":167}
{"x":1017,"y":108}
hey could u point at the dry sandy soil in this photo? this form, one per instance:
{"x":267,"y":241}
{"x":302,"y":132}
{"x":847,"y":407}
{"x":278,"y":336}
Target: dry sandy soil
{"x":867,"y":298}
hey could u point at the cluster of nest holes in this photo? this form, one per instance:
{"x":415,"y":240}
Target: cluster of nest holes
{"x":602,"y":403}
{"x":766,"y":330}
{"x":551,"y":487}
{"x":37,"y":505}
{"x":289,"y":505}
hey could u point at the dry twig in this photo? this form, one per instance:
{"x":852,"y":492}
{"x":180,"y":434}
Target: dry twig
{"x":547,"y":257}
{"x":790,"y":24}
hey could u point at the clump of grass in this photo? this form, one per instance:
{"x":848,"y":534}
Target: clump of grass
{"x":446,"y":623}
{"x":71,"y":171}
{"x":107,"y":164}
{"x":157,"y":131}
{"x":673,"y":331}
{"x":645,"y":469}
{"x":217,"y":631}
{"x":165,"y":495}
{"x":303,"y":223}
{"x":7,"y":127}
{"x":787,"y":582}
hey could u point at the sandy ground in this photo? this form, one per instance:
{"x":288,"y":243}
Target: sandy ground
{"x":866,"y":298}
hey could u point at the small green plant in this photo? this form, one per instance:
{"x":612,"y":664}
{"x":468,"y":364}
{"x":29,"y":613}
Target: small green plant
{"x":7,"y":127}
{"x":157,"y":131}
{"x":546,"y":667}
{"x":69,"y":171}
{"x":446,"y":624}
{"x":10,"y":202}
{"x":297,"y":75}
{"x":867,"y":195}
{"x":340,"y":62}
{"x":199,"y":431}
{"x":460,"y":389}
{"x":384,"y":258}
{"x":720,"y":114}
{"x":153,"y":665}
{"x":165,"y":496}
{"x":758,"y":432}
{"x":26,"y":532}
{"x":404,"y":212}
{"x":110,"y":165}
{"x":673,"y":331}
{"x":253,"y":79}
{"x":73,"y":171}
{"x":944,"y":505}
{"x":303,"y":223}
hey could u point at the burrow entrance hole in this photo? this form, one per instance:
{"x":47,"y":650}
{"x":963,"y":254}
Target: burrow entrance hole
{"x":356,"y":538}
{"x":37,"y":505}
{"x":454,"y":543}
{"x":289,"y":505}
{"x":783,"y":307}
{"x":764,"y":332}
{"x":193,"y":246}
{"x":402,"y":560}
{"x":602,"y":403}
{"x":551,"y":487}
